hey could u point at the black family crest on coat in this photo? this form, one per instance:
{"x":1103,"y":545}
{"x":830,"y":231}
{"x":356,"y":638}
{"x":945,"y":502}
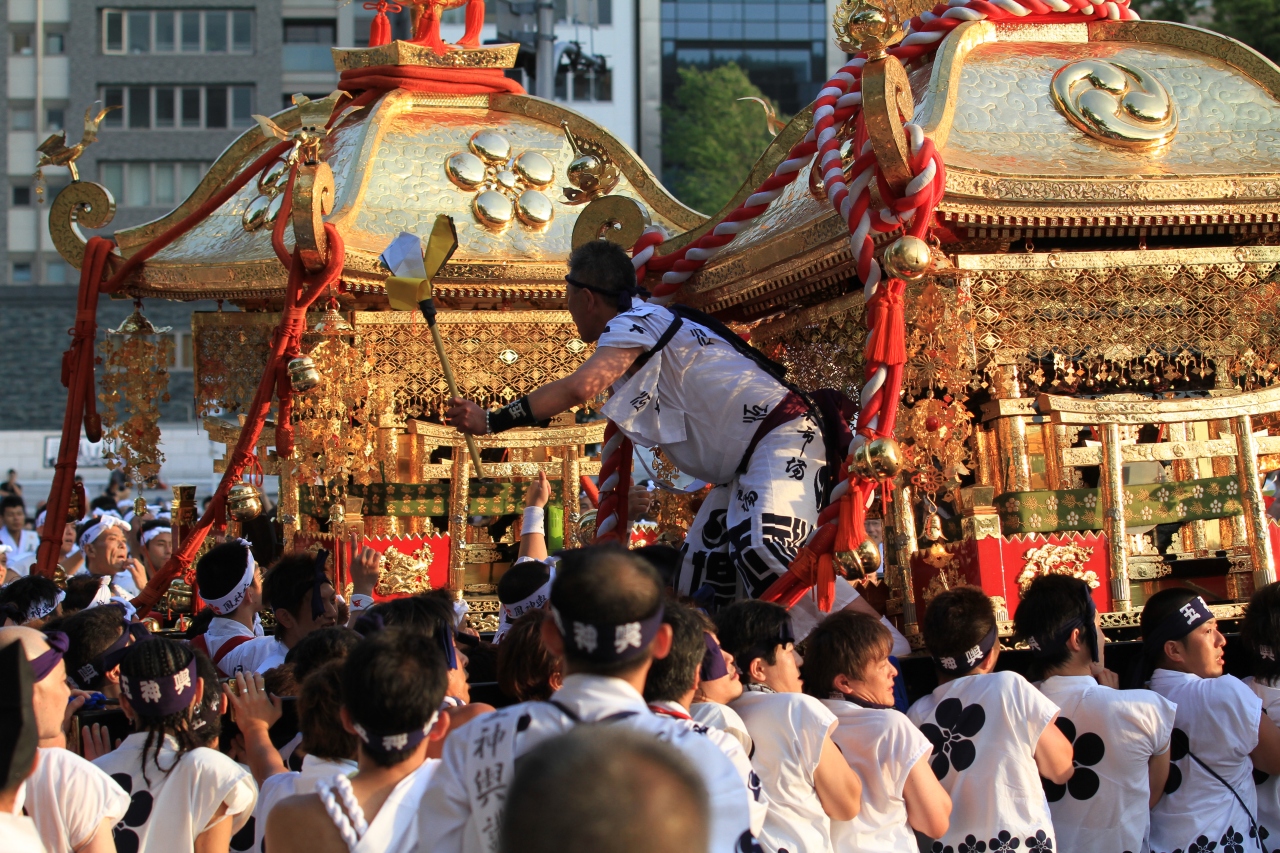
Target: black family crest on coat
{"x":954,"y":724}
{"x":126,"y":838}
{"x":1179,"y":746}
{"x":1087,"y":750}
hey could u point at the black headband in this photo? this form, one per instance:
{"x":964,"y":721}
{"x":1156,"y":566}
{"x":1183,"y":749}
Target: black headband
{"x":623,"y":296}
{"x":1046,"y":645}
{"x":967,"y":661}
{"x":1178,"y":624}
{"x":110,"y":658}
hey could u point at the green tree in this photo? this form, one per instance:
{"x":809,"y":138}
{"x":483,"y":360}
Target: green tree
{"x":1254,"y":22}
{"x":710,"y":139}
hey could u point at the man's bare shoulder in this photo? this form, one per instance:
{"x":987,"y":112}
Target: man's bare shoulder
{"x":300,"y":824}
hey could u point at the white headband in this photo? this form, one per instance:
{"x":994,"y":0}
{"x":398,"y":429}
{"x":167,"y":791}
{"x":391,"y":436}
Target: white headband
{"x":230,"y":601}
{"x":146,"y":537}
{"x":535,"y":601}
{"x":105,"y":523}
{"x":41,"y":609}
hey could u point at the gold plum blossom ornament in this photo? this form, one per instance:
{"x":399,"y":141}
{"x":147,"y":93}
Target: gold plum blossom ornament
{"x":507,"y":186}
{"x":592,"y":171}
{"x":403,"y":574}
{"x":1051,"y":559}
{"x":135,"y":360}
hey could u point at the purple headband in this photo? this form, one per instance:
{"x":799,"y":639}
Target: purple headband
{"x":164,"y":695}
{"x":386,"y":744}
{"x":970,"y":658}
{"x":1179,"y":623}
{"x":43,"y":664}
{"x":712,"y":659}
{"x":1045,"y":645}
{"x":87,"y":673}
{"x":606,"y":642}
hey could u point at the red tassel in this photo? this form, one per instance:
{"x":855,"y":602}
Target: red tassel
{"x":887,"y":344}
{"x":379,"y":30}
{"x":826,"y":583}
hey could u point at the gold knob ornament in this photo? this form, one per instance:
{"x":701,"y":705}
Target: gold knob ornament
{"x":303,"y":375}
{"x":877,"y":459}
{"x":244,"y":502}
{"x":908,"y":258}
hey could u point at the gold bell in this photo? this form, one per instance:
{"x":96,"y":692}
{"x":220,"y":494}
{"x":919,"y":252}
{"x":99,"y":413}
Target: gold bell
{"x":244,"y":502}
{"x":933,"y":528}
{"x":908,"y":258}
{"x":303,"y":375}
{"x":877,"y":459}
{"x":868,"y":556}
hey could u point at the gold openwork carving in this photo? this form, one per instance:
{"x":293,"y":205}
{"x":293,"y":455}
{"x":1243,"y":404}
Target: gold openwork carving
{"x":1051,"y":559}
{"x":1118,"y":104}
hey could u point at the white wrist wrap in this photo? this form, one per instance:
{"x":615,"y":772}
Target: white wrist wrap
{"x":534,"y":520}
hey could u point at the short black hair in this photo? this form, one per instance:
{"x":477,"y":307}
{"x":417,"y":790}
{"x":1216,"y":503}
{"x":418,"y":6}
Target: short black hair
{"x":288,"y":584}
{"x":29,"y":590}
{"x":1047,"y":604}
{"x":525,"y":664}
{"x":845,"y":643}
{"x":522,"y":580}
{"x":220,"y":569}
{"x":320,"y":717}
{"x":80,"y":592}
{"x":153,"y":523}
{"x":665,"y":559}
{"x":1261,"y":627}
{"x":9,"y":501}
{"x":104,"y":502}
{"x":604,"y":584}
{"x":605,"y":266}
{"x":90,"y":633}
{"x":605,"y":788}
{"x":673,"y":676}
{"x":393,"y":682}
{"x":319,"y":647}
{"x":427,"y":614}
{"x":956,"y":621}
{"x":752,"y":629}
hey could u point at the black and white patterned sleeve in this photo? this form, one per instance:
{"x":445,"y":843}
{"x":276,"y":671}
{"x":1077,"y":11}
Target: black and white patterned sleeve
{"x":639,"y":327}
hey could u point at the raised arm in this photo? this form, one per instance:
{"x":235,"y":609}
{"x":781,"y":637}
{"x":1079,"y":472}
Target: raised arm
{"x":839,"y":788}
{"x":533,"y":543}
{"x":605,"y":366}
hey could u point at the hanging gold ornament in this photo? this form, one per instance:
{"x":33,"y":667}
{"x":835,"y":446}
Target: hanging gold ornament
{"x":244,"y":502}
{"x":135,"y":360}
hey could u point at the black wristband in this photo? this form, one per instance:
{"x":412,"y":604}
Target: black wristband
{"x":517,"y":413}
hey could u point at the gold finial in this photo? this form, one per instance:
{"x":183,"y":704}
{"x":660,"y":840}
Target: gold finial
{"x":311,"y":132}
{"x":870,"y":25}
{"x":592,"y":171}
{"x":771,"y":120}
{"x":54,"y":151}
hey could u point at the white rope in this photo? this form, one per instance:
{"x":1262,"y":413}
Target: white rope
{"x":347,"y":817}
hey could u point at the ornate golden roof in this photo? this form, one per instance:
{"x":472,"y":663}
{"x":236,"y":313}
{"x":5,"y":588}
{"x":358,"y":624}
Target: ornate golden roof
{"x":500,"y":164}
{"x":1022,"y":164}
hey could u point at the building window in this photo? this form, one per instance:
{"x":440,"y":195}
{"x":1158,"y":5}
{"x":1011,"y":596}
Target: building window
{"x":55,"y":44}
{"x":22,"y":119}
{"x":55,"y":119}
{"x":55,"y":272}
{"x":182,"y":360}
{"x":22,"y":196}
{"x":21,"y":272}
{"x":24,"y":44}
{"x":139,"y":31}
{"x":583,"y":77}
{"x":169,"y":107}
{"x":150,"y":184}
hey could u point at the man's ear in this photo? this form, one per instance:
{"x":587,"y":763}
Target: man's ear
{"x":1076,"y":641}
{"x":755,"y":671}
{"x":286,"y":619}
{"x":348,"y":724}
{"x":113,"y":674}
{"x":1175,"y":651}
{"x":843,"y":683}
{"x":551,"y":636}
{"x":441,"y":729}
{"x":129,"y":713}
{"x":661,"y":645}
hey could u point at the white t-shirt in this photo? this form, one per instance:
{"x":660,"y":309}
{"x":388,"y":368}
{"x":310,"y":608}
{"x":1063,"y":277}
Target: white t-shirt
{"x":699,"y":398}
{"x":732,"y":749}
{"x":394,"y":829}
{"x":788,"y":730}
{"x":725,"y":719}
{"x":284,"y":785}
{"x":168,"y":811}
{"x":68,"y":798}
{"x":1268,"y":786}
{"x":1217,"y":721}
{"x":24,"y":550}
{"x":882,"y":746}
{"x":462,"y":805}
{"x":984,"y":730}
{"x":257,"y":655}
{"x":20,"y":834}
{"x":1104,"y":806}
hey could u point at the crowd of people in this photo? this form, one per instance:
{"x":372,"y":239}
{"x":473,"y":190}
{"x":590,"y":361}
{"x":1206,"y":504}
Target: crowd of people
{"x":631,"y":718}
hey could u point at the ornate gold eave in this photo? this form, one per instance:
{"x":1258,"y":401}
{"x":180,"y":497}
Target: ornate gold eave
{"x":800,"y":247}
{"x":219,"y":260}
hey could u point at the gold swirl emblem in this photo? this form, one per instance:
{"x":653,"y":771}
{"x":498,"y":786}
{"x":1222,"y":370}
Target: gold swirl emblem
{"x":1115,"y":103}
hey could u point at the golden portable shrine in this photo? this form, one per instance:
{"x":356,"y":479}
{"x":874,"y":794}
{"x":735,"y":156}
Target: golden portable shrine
{"x":1035,"y":240}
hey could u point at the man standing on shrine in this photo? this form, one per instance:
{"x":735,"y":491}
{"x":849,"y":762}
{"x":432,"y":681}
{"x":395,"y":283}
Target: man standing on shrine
{"x":711,"y":403}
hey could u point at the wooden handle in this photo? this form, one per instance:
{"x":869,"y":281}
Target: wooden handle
{"x":453,"y":392}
